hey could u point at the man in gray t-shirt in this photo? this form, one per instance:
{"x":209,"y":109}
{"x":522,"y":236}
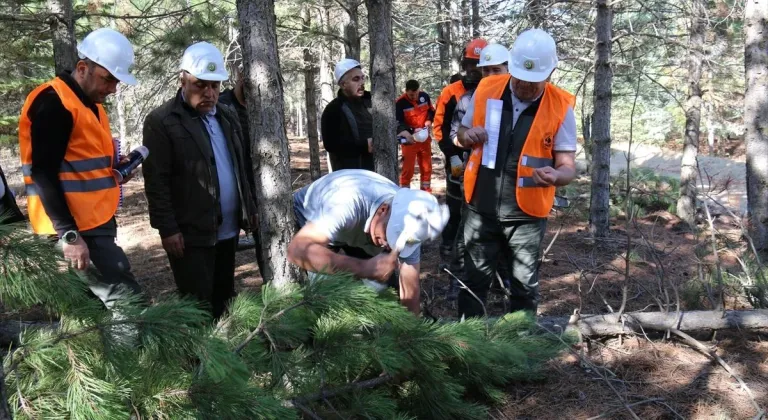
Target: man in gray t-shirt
{"x":363,"y":210}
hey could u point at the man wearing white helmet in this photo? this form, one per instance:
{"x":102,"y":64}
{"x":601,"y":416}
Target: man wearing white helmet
{"x":510,"y":192}
{"x":67,"y":156}
{"x":363,"y":210}
{"x":195,"y":180}
{"x":494,"y":60}
{"x":346,"y":125}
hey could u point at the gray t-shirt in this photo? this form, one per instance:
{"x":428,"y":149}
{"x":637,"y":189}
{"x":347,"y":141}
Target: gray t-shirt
{"x":342,"y":205}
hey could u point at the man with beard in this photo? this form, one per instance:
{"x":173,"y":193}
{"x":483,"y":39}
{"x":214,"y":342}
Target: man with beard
{"x":493,"y":60}
{"x":195,"y":180}
{"x":67,"y":156}
{"x":510,"y":196}
{"x":453,"y":159}
{"x":347,"y":125}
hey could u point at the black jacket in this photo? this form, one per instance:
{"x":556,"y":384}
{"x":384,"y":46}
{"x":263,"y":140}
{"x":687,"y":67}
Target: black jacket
{"x":180,"y":177}
{"x":9,"y":210}
{"x":228,"y":98}
{"x":343,"y":139}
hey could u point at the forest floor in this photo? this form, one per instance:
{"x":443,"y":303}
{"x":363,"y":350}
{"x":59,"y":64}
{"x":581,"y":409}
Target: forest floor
{"x":656,"y":378}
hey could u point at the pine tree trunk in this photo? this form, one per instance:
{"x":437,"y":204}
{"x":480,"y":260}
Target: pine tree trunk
{"x":63,"y":32}
{"x":383,"y":87}
{"x":327,"y":85}
{"x":269,"y":144}
{"x":686,"y":203}
{"x":310,"y":98}
{"x":444,"y":38}
{"x":756,"y":117}
{"x":352,"y":30}
{"x":475,"y":18}
{"x":456,"y":38}
{"x":601,"y":125}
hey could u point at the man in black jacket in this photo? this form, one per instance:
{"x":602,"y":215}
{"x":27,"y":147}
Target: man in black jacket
{"x":9,"y":210}
{"x":195,"y":180}
{"x":347,"y":124}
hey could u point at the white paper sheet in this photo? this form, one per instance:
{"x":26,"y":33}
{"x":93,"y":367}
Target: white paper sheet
{"x":493,"y":109}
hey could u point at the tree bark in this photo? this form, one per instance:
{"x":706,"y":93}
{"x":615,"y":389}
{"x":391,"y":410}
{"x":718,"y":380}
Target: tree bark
{"x":310,"y":98}
{"x":383,"y":87}
{"x":475,"y":18}
{"x":352,"y":30}
{"x":62,"y":27}
{"x":586,"y":131}
{"x":686,"y":203}
{"x":327,"y":85}
{"x":691,"y":322}
{"x":756,"y":117}
{"x":269,"y":143}
{"x":444,"y":38}
{"x":601,"y":125}
{"x":456,"y":37}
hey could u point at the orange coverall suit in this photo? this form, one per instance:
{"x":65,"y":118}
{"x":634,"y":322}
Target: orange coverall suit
{"x":412,"y":115}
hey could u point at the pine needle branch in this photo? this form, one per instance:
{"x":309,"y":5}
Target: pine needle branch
{"x":368,"y":383}
{"x":262,"y":326}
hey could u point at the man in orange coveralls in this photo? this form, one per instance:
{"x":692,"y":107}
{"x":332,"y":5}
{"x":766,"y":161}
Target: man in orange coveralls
{"x":414,"y":113}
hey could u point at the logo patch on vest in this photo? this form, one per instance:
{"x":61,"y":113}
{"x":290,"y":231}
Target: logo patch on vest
{"x":422,"y":99}
{"x":548,"y":142}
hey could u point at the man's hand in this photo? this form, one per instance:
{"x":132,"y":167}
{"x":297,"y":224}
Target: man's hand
{"x":428,"y":124}
{"x":370,"y":145}
{"x":473,"y":136}
{"x":380,"y":267}
{"x":546,"y":176}
{"x":174,"y":245}
{"x":77,"y":254}
{"x":408,"y":137}
{"x":123,"y":160}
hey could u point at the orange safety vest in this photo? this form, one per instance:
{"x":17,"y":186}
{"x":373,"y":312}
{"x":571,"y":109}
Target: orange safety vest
{"x":90,"y":189}
{"x":418,"y":113}
{"x":453,"y":91}
{"x":532,"y":199}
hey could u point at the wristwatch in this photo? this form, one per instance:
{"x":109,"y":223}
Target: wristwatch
{"x":70,"y":236}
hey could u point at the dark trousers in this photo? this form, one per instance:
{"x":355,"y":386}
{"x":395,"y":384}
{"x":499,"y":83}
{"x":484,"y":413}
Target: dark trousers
{"x":454,"y":199}
{"x":109,"y":276}
{"x":207,"y":273}
{"x":487,"y":239}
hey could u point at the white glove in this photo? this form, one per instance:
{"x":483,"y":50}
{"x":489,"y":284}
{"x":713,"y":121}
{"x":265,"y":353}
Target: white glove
{"x":457,"y":166}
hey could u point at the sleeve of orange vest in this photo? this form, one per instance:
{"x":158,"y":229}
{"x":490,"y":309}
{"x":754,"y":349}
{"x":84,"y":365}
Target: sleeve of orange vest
{"x":445,"y":143}
{"x":437,"y":123}
{"x":157,"y":170}
{"x":51,"y":127}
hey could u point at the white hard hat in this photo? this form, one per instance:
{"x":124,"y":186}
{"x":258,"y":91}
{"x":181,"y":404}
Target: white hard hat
{"x":343,"y":66}
{"x":533,"y":56}
{"x":493,"y":55}
{"x":109,"y":49}
{"x":205,"y":62}
{"x":415,"y":217}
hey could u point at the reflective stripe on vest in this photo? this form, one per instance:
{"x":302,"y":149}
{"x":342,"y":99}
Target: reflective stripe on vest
{"x":85,"y":174}
{"x":532,"y":199}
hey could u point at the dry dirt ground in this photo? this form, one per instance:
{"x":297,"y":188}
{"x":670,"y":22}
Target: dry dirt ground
{"x":656,"y":379}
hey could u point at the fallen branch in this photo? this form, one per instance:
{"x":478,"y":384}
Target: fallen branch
{"x":691,"y":321}
{"x":368,"y":383}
